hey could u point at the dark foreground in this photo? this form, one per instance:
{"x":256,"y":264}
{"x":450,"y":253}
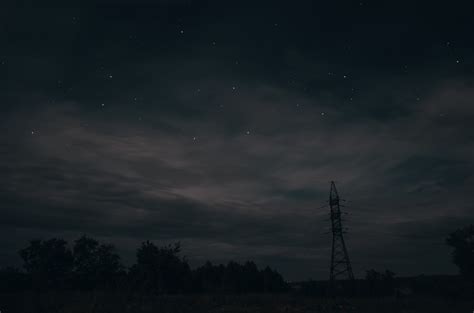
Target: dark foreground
{"x":99,"y":302}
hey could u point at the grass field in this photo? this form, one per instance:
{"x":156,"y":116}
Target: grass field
{"x":98,"y":302}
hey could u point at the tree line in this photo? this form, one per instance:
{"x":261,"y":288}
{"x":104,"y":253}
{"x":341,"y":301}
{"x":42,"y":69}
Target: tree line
{"x":90,"y":265}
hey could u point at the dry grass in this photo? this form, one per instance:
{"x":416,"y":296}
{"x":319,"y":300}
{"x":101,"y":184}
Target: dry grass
{"x":100,"y":302}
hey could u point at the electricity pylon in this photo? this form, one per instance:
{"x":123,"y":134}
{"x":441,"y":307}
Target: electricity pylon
{"x":341,"y":268}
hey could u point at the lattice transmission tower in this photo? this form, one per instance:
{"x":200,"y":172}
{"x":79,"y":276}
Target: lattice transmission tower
{"x":341,"y":268}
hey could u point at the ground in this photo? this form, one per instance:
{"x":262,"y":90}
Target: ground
{"x":98,"y":302}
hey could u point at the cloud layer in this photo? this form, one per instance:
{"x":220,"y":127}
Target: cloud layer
{"x":183,"y":123}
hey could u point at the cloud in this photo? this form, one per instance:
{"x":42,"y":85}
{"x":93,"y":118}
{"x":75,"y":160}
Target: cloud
{"x":240,"y":173}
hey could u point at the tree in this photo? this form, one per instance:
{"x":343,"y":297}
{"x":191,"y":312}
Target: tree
{"x":388,"y":282}
{"x":161,"y":269}
{"x":231,"y":280}
{"x":95,"y":265}
{"x":250,"y":277}
{"x":273,"y":281}
{"x":49,"y":263}
{"x":208,"y":278}
{"x":462,"y":240}
{"x":372,"y":277}
{"x":11,"y":279}
{"x":380,"y":284}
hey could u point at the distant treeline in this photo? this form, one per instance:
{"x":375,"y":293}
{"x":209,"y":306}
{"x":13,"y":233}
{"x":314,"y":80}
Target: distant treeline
{"x":384,"y":284}
{"x":90,"y":265}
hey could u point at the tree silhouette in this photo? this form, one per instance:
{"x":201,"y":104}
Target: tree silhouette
{"x":462,"y":240}
{"x":208,"y":278}
{"x":48,"y":263}
{"x":273,"y":281}
{"x":91,"y":265}
{"x":11,"y":279}
{"x":231,"y":280}
{"x":237,"y":278}
{"x":95,"y":265}
{"x":160,"y":269}
{"x":380,"y":284}
{"x":372,"y":276}
{"x":251,"y":281}
{"x":388,"y":282}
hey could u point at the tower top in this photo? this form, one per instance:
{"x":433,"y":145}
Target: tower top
{"x":333,"y":195}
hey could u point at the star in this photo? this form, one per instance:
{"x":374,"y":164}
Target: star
{"x":182,"y":31}
{"x":248,"y":132}
{"x":233,"y":87}
{"x":32,"y":132}
{"x":457,"y":61}
{"x":322,"y":113}
{"x":102,"y":104}
{"x":110,"y":76}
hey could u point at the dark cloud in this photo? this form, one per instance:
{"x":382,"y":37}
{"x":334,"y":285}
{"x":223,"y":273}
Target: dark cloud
{"x":221,"y":127}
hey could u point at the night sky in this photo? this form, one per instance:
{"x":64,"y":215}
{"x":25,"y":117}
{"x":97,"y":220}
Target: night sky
{"x":220,"y":124}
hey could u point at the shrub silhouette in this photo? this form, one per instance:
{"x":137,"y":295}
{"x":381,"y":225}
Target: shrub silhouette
{"x":462,"y":240}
